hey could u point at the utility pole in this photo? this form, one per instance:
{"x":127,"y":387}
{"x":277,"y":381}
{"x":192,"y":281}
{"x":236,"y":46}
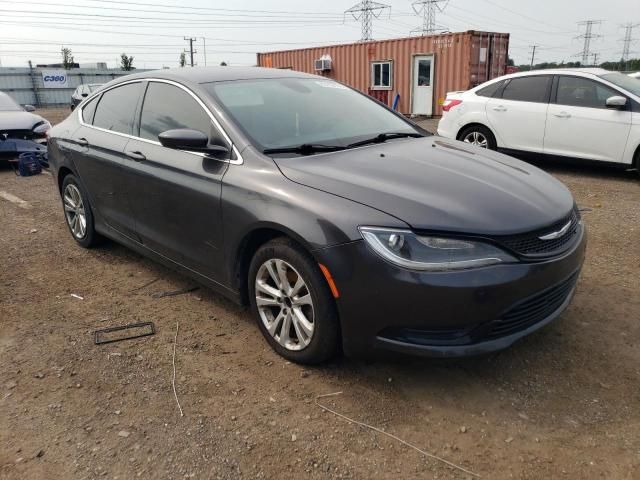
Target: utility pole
{"x":533,"y":55}
{"x":595,"y":59}
{"x":191,"y":50}
{"x":365,"y":11}
{"x":204,"y":47}
{"x":627,"y":41}
{"x":587,"y":36}
{"x":428,"y":9}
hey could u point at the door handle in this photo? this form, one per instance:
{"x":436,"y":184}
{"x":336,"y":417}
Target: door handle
{"x":136,"y":156}
{"x":83,"y":142}
{"x":500,"y":108}
{"x":562,"y":115}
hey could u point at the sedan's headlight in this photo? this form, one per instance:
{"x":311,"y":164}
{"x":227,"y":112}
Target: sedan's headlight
{"x":431,"y":253}
{"x":42,"y":127}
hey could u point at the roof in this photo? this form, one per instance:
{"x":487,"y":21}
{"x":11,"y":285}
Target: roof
{"x":552,"y":71}
{"x":387,"y":40}
{"x":217,"y":74}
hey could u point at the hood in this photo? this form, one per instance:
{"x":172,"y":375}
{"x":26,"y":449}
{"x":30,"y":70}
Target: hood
{"x":18,"y":120}
{"x":434,"y":183}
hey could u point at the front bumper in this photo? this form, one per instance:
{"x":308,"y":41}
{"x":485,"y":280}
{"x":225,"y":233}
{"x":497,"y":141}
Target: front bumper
{"x":446,"y":314}
{"x":12,"y":147}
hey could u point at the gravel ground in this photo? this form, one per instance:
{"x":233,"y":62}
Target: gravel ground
{"x":563,"y":403}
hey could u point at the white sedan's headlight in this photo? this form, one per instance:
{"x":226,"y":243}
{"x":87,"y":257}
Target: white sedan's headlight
{"x":430,"y":253}
{"x":42,"y":127}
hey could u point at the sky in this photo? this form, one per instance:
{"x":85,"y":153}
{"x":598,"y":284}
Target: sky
{"x":153,"y":31}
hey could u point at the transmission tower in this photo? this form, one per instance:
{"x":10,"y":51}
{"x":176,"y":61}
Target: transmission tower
{"x":587,"y":36}
{"x":627,"y":40}
{"x":427,"y":9}
{"x":366,"y":11}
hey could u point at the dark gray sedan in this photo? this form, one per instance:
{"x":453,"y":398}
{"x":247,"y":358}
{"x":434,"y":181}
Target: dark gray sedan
{"x":342,"y":224}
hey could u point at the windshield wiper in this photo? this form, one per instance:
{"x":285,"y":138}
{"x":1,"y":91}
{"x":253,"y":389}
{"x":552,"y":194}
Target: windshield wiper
{"x":383,"y":137}
{"x":305,"y":149}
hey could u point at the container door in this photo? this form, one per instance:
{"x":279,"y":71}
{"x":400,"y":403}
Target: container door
{"x":422,"y":101}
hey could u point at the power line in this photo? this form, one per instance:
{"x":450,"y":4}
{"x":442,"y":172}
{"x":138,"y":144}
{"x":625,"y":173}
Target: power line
{"x":181,"y":8}
{"x":428,"y":9}
{"x":366,"y":11}
{"x":587,"y":36}
{"x":522,"y":15}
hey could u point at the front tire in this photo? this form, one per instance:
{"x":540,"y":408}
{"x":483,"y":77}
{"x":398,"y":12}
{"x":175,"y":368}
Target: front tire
{"x":292,"y":303}
{"x":77,"y":212}
{"x":478,"y":135}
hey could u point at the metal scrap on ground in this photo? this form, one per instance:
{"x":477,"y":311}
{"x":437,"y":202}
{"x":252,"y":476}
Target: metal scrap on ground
{"x":99,"y":335}
{"x":390,"y":435}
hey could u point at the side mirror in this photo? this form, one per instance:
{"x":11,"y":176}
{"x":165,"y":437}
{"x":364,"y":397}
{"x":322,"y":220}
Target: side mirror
{"x":192,"y":140}
{"x":29,"y":108}
{"x":616,"y":102}
{"x":85,"y":94}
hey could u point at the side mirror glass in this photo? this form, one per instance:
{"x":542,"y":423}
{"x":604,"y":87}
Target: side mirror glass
{"x":29,"y":108}
{"x":616,"y":101}
{"x":192,"y":140}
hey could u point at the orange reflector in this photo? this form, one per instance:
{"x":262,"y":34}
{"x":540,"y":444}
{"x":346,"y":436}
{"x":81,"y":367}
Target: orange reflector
{"x":332,"y":284}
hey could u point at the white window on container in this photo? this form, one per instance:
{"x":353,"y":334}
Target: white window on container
{"x":381,"y":75}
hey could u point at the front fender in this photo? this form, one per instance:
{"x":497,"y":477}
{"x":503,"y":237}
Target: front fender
{"x":256,"y":196}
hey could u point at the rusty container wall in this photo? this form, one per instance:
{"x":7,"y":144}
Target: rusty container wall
{"x":461,"y":61}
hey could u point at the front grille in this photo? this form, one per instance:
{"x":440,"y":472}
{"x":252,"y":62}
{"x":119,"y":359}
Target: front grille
{"x":19,"y":134}
{"x":532,"y":310}
{"x":530,"y":244}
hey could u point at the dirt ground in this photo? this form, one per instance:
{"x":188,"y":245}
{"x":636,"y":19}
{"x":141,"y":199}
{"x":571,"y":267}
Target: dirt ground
{"x":563,"y":403}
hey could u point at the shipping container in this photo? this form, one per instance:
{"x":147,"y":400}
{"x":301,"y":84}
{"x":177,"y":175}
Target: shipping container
{"x":421,"y":70}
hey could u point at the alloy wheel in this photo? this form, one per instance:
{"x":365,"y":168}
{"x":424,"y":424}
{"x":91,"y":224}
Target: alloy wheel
{"x":74,"y":211}
{"x":284,"y":304}
{"x":476,"y":138}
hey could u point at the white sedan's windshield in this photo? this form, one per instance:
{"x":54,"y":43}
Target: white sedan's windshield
{"x":630,"y":84}
{"x":286,"y":112}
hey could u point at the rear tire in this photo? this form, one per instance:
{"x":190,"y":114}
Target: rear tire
{"x":292,"y":303}
{"x":78,"y":213}
{"x":478,"y":135}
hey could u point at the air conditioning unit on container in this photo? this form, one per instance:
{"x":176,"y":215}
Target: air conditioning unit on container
{"x":323,"y":64}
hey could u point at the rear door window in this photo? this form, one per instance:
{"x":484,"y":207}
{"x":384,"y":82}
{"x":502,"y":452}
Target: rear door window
{"x":117,"y":108}
{"x":582,"y":92}
{"x":528,"y":89}
{"x":167,"y":107}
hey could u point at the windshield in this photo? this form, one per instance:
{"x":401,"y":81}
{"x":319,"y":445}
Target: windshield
{"x":8,"y":104}
{"x":630,"y":84}
{"x":287,"y":112}
{"x":94,"y":86}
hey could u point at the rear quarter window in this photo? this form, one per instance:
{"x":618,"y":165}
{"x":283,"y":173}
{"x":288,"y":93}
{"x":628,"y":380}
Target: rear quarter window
{"x":89,"y":110}
{"x":490,"y":90}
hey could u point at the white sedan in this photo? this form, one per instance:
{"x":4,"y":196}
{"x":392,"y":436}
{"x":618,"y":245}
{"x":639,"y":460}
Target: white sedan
{"x":589,"y":114}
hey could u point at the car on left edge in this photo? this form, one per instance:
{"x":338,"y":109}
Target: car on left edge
{"x":21,"y":130}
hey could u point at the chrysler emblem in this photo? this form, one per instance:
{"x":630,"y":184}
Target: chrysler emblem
{"x":558,"y":234}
